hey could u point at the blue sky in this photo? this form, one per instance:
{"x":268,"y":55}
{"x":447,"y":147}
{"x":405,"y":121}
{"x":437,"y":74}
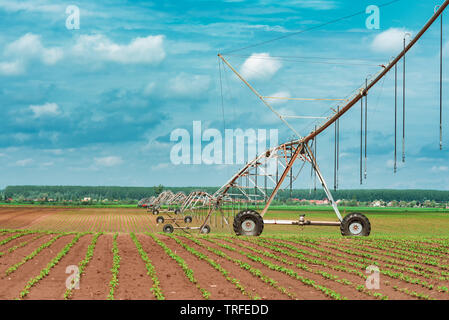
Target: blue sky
{"x":96,"y":106}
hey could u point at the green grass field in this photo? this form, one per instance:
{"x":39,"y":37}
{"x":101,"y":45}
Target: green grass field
{"x":385,"y":222}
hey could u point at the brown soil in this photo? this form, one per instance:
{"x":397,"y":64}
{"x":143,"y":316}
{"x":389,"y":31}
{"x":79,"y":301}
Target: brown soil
{"x":251,"y":283}
{"x":16,"y":256}
{"x":347,"y":291}
{"x":6,"y":235}
{"x":133,"y":281}
{"x":208,"y":278}
{"x":18,"y":218}
{"x":406,"y":263}
{"x":4,"y":248}
{"x":387,"y":283}
{"x":94,"y":283}
{"x":12,"y":285}
{"x":174,"y":284}
{"x":54,"y":285}
{"x":301,"y":291}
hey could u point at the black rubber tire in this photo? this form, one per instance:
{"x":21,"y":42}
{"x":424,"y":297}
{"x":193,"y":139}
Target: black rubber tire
{"x":355,"y":217}
{"x":245,"y":215}
{"x":177,"y":211}
{"x":168,"y":228}
{"x":160,"y":219}
{"x":205,"y":229}
{"x":188,"y":219}
{"x":155,"y":211}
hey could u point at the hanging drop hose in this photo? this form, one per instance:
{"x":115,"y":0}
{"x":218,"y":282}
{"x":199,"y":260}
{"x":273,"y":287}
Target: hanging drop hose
{"x":441,"y":83}
{"x":403,"y":105}
{"x":361,"y":141}
{"x":338,"y":146}
{"x":366,"y":126}
{"x":395,"y":117}
{"x":335,"y":156}
{"x":316,"y":157}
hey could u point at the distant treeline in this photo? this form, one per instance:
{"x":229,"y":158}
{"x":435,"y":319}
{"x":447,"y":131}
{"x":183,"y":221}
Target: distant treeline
{"x":60,"y":193}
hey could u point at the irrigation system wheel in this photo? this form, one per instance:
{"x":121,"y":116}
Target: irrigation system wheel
{"x":248,"y":223}
{"x":188,"y":219}
{"x":155,"y":211}
{"x":177,"y":211}
{"x":206,"y":229}
{"x":168,"y":228}
{"x":355,"y":224}
{"x":160,"y":219}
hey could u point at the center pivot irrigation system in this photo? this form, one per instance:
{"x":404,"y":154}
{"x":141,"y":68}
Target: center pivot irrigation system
{"x":260,"y":180}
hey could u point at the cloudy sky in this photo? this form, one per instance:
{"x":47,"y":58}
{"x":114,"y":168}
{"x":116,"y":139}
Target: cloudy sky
{"x":96,"y":105}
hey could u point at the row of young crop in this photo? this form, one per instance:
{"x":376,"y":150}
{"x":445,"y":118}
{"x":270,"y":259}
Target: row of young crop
{"x":394,"y":271}
{"x":243,"y":265}
{"x":438,"y":246}
{"x":188,"y":272}
{"x":279,"y":268}
{"x":430,"y":249}
{"x":417,"y":260}
{"x":303,"y":265}
{"x":277,"y":257}
{"x":151,"y":271}
{"x":399,"y":265}
{"x":45,"y":271}
{"x":217,"y":266}
{"x":367,"y":259}
{"x":82,"y":266}
{"x":344,"y":256}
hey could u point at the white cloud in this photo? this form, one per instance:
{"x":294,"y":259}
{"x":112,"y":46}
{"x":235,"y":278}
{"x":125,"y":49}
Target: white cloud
{"x":440,"y":169}
{"x":25,"y":49}
{"x":268,"y":28}
{"x":31,"y":6}
{"x":21,"y":137}
{"x":11,"y":68}
{"x":30,"y":46}
{"x":260,"y":66}
{"x":108,"y":161}
{"x":187,"y":85}
{"x":148,"y":50}
{"x":314,"y":4}
{"x":48,"y":109}
{"x":389,"y":41}
{"x":24,"y":162}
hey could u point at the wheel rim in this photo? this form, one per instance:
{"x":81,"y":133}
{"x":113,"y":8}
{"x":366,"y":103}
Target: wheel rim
{"x":205,"y":230}
{"x":355,"y":228}
{"x":248,"y":225}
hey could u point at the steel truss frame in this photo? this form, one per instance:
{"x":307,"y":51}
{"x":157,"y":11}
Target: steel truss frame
{"x":300,"y":149}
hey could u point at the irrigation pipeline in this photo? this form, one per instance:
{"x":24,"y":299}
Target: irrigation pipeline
{"x":382,"y":74}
